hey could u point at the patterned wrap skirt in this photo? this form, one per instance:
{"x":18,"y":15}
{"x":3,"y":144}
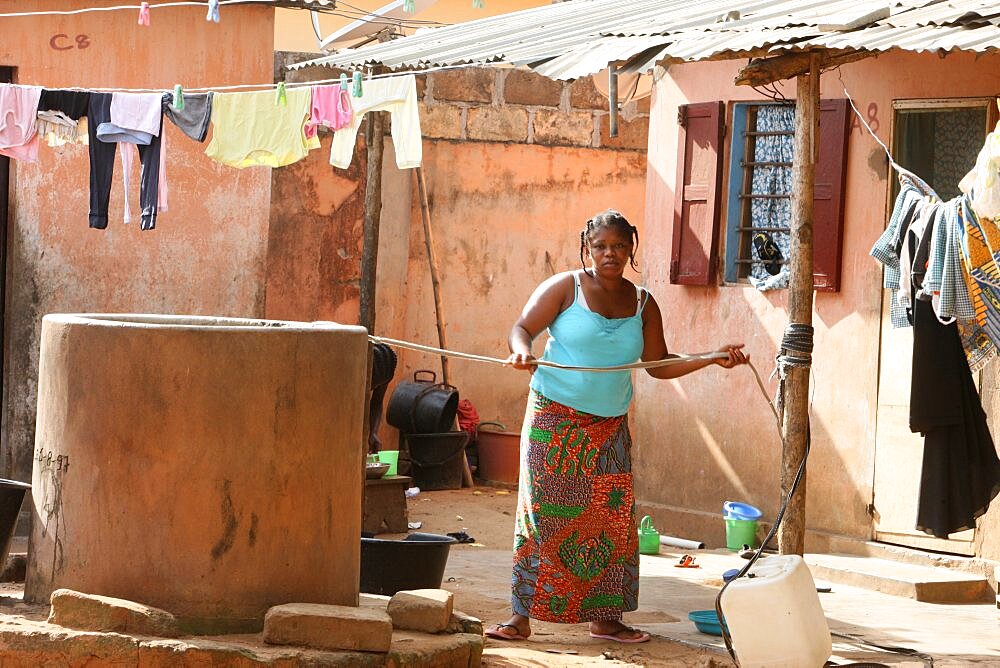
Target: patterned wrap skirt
{"x":576,"y":548}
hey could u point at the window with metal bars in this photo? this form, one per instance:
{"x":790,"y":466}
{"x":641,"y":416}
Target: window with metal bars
{"x":760,"y":190}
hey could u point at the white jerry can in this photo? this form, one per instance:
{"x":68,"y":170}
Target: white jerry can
{"x":775,"y":617}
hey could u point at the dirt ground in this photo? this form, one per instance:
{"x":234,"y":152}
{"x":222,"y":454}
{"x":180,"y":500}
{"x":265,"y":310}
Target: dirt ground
{"x":487,"y":514}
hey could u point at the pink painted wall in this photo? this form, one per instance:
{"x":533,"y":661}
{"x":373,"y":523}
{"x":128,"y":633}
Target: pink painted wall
{"x":206,"y":255}
{"x":710,"y":437}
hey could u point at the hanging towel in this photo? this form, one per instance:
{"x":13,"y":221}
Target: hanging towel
{"x":398,"y":96}
{"x":331,"y":108}
{"x":194,"y":118}
{"x":18,"y":117}
{"x":249,"y":129}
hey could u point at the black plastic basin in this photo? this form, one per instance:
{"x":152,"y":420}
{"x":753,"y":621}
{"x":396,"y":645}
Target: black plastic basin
{"x":417,"y":562}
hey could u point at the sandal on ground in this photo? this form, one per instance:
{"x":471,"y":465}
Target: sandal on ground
{"x":616,"y":636}
{"x":496,"y":632}
{"x":687,"y":561}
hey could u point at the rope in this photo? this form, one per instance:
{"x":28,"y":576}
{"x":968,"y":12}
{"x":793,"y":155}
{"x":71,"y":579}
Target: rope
{"x":675,"y":359}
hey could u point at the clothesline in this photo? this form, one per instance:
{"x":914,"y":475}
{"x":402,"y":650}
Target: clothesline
{"x":353,"y":12}
{"x":246,"y":86}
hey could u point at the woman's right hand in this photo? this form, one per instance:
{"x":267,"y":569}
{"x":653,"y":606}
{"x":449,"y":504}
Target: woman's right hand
{"x":522,"y":361}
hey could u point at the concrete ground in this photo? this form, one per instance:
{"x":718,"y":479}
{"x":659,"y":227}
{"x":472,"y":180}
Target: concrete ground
{"x":479,"y":574}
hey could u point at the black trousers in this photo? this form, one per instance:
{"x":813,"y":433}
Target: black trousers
{"x":102,"y":168}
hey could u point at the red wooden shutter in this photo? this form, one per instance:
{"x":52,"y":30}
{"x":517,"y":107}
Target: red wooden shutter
{"x":828,"y":200}
{"x":695,"y":254}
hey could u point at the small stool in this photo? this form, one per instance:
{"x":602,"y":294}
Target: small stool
{"x":385,"y":505}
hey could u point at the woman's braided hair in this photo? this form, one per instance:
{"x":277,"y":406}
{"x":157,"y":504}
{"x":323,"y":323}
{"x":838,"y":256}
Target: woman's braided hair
{"x":616,"y":221}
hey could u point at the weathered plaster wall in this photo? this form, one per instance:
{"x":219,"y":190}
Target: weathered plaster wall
{"x":506,"y":206}
{"x":713,"y":432}
{"x":206,"y":255}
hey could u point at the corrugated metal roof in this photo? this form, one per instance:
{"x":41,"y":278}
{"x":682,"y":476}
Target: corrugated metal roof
{"x":572,"y":39}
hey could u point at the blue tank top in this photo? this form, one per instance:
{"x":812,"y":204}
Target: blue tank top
{"x":580,"y":337}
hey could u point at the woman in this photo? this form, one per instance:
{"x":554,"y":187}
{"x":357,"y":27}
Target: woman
{"x":576,"y":552}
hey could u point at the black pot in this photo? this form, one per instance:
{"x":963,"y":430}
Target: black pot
{"x":422,"y":406}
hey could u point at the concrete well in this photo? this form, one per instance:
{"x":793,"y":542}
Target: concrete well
{"x":211,"y":467}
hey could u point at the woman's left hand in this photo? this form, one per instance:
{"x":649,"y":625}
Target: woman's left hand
{"x":736,"y":356}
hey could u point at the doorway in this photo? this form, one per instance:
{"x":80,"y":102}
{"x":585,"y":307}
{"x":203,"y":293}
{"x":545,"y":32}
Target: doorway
{"x":939,"y":141}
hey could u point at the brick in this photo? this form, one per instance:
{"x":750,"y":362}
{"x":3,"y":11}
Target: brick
{"x":329,"y":627}
{"x":421,"y":86}
{"x":528,"y":88}
{"x":427,"y":610}
{"x":440,"y":121}
{"x":632,"y":135}
{"x":583,"y":95}
{"x":555,"y":128}
{"x":441,"y":651}
{"x":463,"y":623}
{"x":465,"y":85}
{"x":86,"y":612}
{"x":497,"y":124}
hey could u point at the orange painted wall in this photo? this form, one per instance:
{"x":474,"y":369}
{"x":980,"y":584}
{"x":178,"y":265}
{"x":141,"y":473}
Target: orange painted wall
{"x":712,"y":432}
{"x":206,"y":255}
{"x":504,"y":217}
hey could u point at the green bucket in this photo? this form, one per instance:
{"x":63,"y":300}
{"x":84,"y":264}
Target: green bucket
{"x":740,"y":532}
{"x":390,"y":457}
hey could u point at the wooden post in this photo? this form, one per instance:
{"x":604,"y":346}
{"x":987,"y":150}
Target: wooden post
{"x":795,"y":421}
{"x":425,"y":216}
{"x":375,"y":145}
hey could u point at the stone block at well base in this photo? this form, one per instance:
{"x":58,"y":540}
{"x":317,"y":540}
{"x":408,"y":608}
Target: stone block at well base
{"x":87,"y":612}
{"x":27,"y":644}
{"x":331,"y":627}
{"x":427,"y":610}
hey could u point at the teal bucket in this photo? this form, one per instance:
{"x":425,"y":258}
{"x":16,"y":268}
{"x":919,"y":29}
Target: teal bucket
{"x":390,"y":457}
{"x":740,"y":533}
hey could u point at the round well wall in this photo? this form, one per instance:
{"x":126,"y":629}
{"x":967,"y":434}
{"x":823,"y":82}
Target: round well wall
{"x":211,"y":467}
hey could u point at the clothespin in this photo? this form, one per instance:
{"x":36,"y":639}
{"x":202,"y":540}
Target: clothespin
{"x":280,"y":97}
{"x":345,"y":84}
{"x":357,"y":90}
{"x":178,"y":98}
{"x":213,"y":11}
{"x":478,"y":4}
{"x":144,"y":14}
{"x":409,"y":6}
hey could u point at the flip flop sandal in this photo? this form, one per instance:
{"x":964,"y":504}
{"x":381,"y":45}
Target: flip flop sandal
{"x":616,"y":638}
{"x":687,"y":561}
{"x":497,"y":634}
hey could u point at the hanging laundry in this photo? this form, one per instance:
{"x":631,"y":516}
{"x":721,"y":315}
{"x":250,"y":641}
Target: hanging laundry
{"x":331,"y":108}
{"x":194,"y":118}
{"x":132,"y":122}
{"x":62,"y":117}
{"x":128,"y":153}
{"x":935,"y":265}
{"x":250,"y":129}
{"x":961,"y":471}
{"x":18,"y":119}
{"x":983,"y":181}
{"x":135,"y":118}
{"x":398,"y":96}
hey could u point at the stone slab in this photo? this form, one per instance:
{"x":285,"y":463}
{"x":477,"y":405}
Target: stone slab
{"x":427,"y":610}
{"x":28,"y":644}
{"x":385,"y":505}
{"x":468,"y":84}
{"x":920,"y":583}
{"x":328,"y":627}
{"x":556,"y":128}
{"x":87,"y":612}
{"x":528,"y":88}
{"x":497,"y":124}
